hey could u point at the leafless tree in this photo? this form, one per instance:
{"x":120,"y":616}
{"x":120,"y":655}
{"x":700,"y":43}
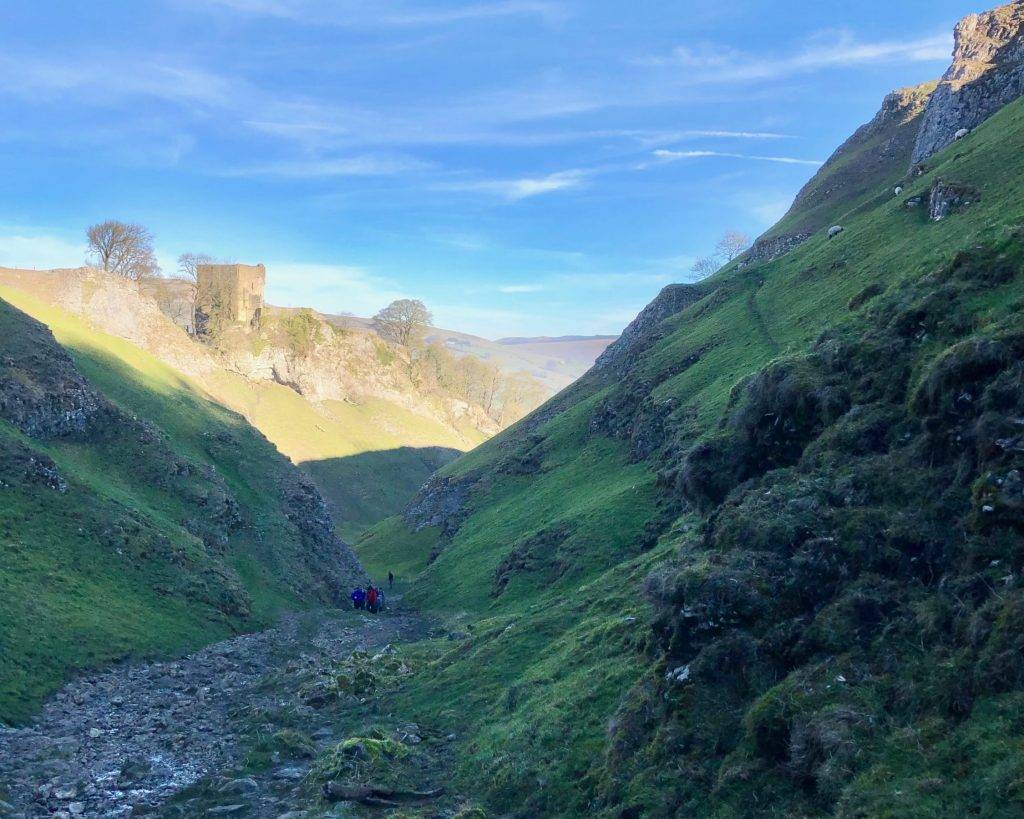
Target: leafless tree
{"x":125,"y":250}
{"x":704,"y":267}
{"x":732,"y":244}
{"x":402,"y":321}
{"x":188,"y":272}
{"x":188,"y":266}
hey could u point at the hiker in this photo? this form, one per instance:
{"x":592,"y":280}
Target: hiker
{"x":358,"y":598}
{"x":371,"y":599}
{"x":391,"y":580}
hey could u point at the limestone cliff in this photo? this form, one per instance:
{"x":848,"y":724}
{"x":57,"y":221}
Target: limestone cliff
{"x":986,"y":74}
{"x":340,"y":365}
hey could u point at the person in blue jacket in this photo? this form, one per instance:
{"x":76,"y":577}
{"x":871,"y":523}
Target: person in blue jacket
{"x":358,"y":598}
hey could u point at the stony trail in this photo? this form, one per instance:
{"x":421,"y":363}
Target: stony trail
{"x":124,"y":742}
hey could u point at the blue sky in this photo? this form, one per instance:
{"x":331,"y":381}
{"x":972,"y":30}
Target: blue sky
{"x":525,"y":167}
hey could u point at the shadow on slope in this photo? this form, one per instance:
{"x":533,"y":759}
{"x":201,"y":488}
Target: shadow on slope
{"x":139,"y":517}
{"x":364,"y":489}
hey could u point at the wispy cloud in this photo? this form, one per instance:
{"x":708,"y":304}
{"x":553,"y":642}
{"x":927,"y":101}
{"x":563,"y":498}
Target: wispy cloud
{"x":386,"y":13}
{"x":340,"y":166}
{"x":107,"y":79}
{"x":835,"y":49}
{"x":675,"y":156}
{"x":515,"y":190}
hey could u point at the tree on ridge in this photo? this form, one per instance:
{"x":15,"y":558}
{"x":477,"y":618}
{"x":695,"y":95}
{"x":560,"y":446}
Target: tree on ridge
{"x":123,"y":249}
{"x":403,"y":321}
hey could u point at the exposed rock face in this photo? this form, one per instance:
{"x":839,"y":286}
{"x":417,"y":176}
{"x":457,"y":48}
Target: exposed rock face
{"x":771,"y":248}
{"x":987,"y":73}
{"x":943,"y":199}
{"x":115,"y":306}
{"x":441,"y":503}
{"x":876,"y":153}
{"x":947,"y":197}
{"x":41,"y":392}
{"x":644,"y":329}
{"x":325,"y":551}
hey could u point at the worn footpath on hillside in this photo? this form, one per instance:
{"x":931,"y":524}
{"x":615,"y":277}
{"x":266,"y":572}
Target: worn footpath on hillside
{"x":184,"y":737}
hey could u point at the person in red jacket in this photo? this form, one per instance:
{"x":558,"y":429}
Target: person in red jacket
{"x":371,"y":599}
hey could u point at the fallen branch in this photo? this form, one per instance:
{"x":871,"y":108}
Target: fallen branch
{"x":376,"y":796}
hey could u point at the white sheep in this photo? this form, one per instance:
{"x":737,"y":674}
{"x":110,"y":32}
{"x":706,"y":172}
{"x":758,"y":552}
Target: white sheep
{"x":835,"y":230}
{"x":961,"y":133}
{"x":897,"y":190}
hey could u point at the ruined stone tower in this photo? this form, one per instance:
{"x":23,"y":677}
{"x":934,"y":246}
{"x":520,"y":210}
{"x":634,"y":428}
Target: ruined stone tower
{"x":228,"y":294}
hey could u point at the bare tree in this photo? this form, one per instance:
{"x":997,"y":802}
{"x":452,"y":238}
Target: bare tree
{"x":732,"y":244}
{"x":188,"y":272}
{"x":125,"y":250}
{"x":704,"y":267}
{"x":402,"y":321}
{"x":188,"y":266}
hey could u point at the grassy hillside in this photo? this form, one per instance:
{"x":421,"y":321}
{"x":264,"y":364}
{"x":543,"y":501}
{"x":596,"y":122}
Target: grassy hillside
{"x":813,"y":475}
{"x":367,"y":458}
{"x":360,"y":427}
{"x":139,"y":516}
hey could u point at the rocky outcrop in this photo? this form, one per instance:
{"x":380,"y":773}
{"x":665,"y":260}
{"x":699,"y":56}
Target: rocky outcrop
{"x":440,"y":503}
{"x":645,"y":329}
{"x":324,"y":552}
{"x":943,"y":199}
{"x":987,"y":73}
{"x":948,"y":197}
{"x":345,"y":365}
{"x":768,"y":249}
{"x":878,"y":152}
{"x":41,"y":391}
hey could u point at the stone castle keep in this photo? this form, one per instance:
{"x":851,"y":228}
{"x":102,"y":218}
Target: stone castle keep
{"x":229,"y":294}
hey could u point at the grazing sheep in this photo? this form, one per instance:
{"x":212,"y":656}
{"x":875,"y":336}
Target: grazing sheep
{"x":835,"y":230}
{"x":898,"y":190}
{"x":961,"y":133}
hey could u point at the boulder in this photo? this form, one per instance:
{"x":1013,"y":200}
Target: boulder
{"x":946,"y":198}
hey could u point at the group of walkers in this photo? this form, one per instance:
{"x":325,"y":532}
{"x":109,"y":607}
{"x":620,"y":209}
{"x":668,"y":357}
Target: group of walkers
{"x":371,"y":598}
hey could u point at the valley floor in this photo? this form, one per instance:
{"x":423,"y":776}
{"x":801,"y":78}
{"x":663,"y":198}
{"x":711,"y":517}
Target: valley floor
{"x":234,"y":729}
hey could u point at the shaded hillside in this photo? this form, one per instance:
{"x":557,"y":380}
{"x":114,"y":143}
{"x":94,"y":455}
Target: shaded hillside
{"x":139,"y":517}
{"x":809,"y":470}
{"x":325,"y":406}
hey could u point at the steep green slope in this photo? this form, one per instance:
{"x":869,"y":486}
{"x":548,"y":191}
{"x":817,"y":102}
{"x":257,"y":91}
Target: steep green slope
{"x":367,"y":458}
{"x":828,"y":445}
{"x":138,"y":516}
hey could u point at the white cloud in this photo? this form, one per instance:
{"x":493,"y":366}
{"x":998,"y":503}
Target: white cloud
{"x":330,"y":287}
{"x":386,"y":13}
{"x":523,"y":188}
{"x":521,"y":288}
{"x":716,"y":64}
{"x":675,"y":156}
{"x":26,"y":248}
{"x":106,"y":80}
{"x":368,"y":165}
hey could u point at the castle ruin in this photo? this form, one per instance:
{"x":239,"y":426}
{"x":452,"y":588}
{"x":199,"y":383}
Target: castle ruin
{"x":228,"y":294}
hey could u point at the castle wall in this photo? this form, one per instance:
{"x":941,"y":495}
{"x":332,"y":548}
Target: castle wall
{"x":231,"y":291}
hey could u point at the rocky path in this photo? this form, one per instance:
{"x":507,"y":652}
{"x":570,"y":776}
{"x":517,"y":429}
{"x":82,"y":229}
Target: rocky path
{"x":124,"y":742}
